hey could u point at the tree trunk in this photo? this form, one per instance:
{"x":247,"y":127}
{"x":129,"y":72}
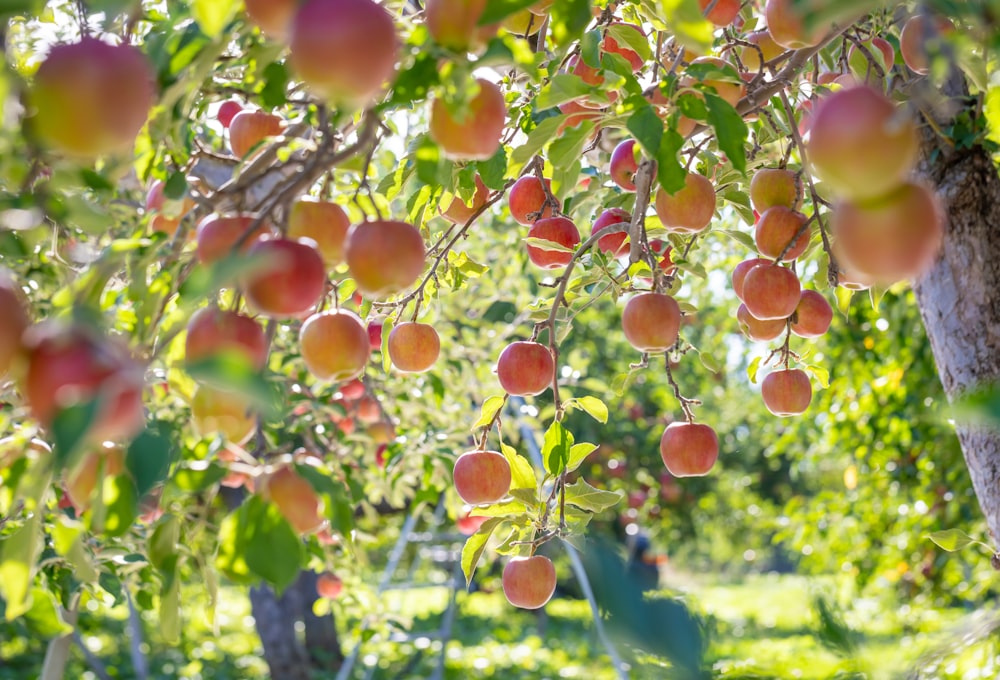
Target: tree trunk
{"x":285,"y":656}
{"x":959,"y":298}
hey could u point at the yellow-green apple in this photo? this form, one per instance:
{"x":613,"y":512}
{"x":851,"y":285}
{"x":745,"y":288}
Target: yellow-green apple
{"x":689,"y":449}
{"x":651,"y":322}
{"x":559,"y":230}
{"x":291,"y":278}
{"x":481,"y":477}
{"x":414,"y":347}
{"x":768,"y":48}
{"x":523,"y":23}
{"x":473,"y":134}
{"x":325,"y":223}
{"x":384,"y":256}
{"x":525,"y":368}
{"x":216,"y":411}
{"x":786,"y":392}
{"x":529,"y":582}
{"x":334,"y":345}
{"x":775,"y":186}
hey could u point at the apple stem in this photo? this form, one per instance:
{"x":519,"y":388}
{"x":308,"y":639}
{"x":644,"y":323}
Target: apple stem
{"x":683,"y":401}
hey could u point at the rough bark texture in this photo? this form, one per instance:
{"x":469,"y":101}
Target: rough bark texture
{"x":285,"y":656}
{"x":959,"y":298}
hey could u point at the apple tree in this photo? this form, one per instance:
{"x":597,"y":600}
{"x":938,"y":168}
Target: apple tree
{"x":244,"y":246}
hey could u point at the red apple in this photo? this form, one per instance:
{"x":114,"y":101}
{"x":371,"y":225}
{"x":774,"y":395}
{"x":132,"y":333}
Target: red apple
{"x":651,"y":322}
{"x":273,"y":17}
{"x":369,"y":410}
{"x":861,"y":144}
{"x":786,"y":25}
{"x":813,"y":315}
{"x":455,"y":23}
{"x":344,"y":50}
{"x":168,"y":213}
{"x":375,"y":336}
{"x":384,"y":256}
{"x":459,"y":212}
{"x":559,"y":230}
{"x":291,"y":280}
{"x":14,"y":313}
{"x":525,"y":368}
{"x":353,"y":389}
{"x":689,"y":449}
{"x":250,"y":128}
{"x":786,"y":392}
{"x":295,"y":498}
{"x":775,"y":186}
{"x":690,"y":210}
{"x":526,"y":198}
{"x":771,"y":292}
{"x":624,"y":164}
{"x":334,"y":345}
{"x":723,"y":12}
{"x":741,"y":271}
{"x":90,"y":98}
{"x":482,"y":477}
{"x":475,"y":133}
{"x":613,"y":244}
{"x":609,"y":44}
{"x":325,"y":223}
{"x":414,"y":347}
{"x":780,"y":230}
{"x":218,"y":235}
{"x":227,"y":111}
{"x":329,"y":586}
{"x":920,"y":38}
{"x":529,"y":582}
{"x":759,"y":330}
{"x":466,"y":523}
{"x":212,"y":331}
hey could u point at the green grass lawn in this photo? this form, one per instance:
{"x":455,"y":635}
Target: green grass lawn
{"x":760,"y":627}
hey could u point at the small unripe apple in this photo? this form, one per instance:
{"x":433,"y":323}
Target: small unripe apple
{"x":216,"y":411}
{"x":529,"y":582}
{"x":482,"y":477}
{"x":296,"y":499}
{"x":250,"y":128}
{"x":291,"y":280}
{"x":689,"y":449}
{"x":525,"y":368}
{"x":690,"y":210}
{"x":861,"y":144}
{"x":759,"y":330}
{"x":90,"y":98}
{"x":786,"y":392}
{"x":344,"y":50}
{"x":384,"y":256}
{"x":771,"y":292}
{"x":782,"y":230}
{"x":813,"y":316}
{"x":786,"y":25}
{"x":559,"y":230}
{"x":15,"y":321}
{"x":476,"y":134}
{"x":775,"y":186}
{"x":613,"y":244}
{"x":526,"y":198}
{"x":624,"y":164}
{"x":723,"y":12}
{"x":325,"y":223}
{"x":741,"y":271}
{"x":459,"y":212}
{"x":651,"y":322}
{"x":212,"y":331}
{"x":414,"y":347}
{"x":334,"y":345}
{"x":218,"y":235}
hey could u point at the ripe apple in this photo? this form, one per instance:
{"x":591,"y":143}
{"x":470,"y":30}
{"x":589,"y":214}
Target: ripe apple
{"x":213,"y":331}
{"x":334,"y":345}
{"x":880,"y":50}
{"x":576,"y":113}
{"x":466,"y":523}
{"x":592,"y":76}
{"x":273,"y":17}
{"x":624,"y":164}
{"x":613,"y":244}
{"x":778,"y":227}
{"x":14,"y":313}
{"x":227,"y":111}
{"x":329,"y":586}
{"x":295,"y":498}
{"x":689,"y":449}
{"x":662,"y":250}
{"x":381,"y":432}
{"x":751,"y":57}
{"x":723,"y":13}
{"x":771,"y":291}
{"x":369,"y":410}
{"x":651,"y":322}
{"x":785,"y":23}
{"x":775,"y":186}
{"x":525,"y":368}
{"x":72,"y":364}
{"x":786,"y":392}
{"x":455,"y":23}
{"x":384,"y":256}
{"x":344,"y":50}
{"x":609,"y":44}
{"x":250,"y":128}
{"x":481,"y":477}
{"x":168,"y":213}
{"x":325,"y":223}
{"x":81,"y":482}
{"x":414,"y":347}
{"x":291,"y":280}
{"x":690,"y":210}
{"x":218,"y":235}
{"x":861,"y":144}
{"x":353,"y":389}
{"x":526,"y":198}
{"x":90,"y":98}
{"x":759,"y":330}
{"x":475,"y":134}
{"x":813,"y":316}
{"x":920,"y":38}
{"x":728,"y":90}
{"x":893,"y":238}
{"x":529,"y":582}
{"x":215,"y":411}
{"x":374,"y":331}
{"x":558,"y":230}
{"x":459,"y":212}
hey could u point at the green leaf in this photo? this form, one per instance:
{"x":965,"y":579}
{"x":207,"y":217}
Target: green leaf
{"x":18,"y":553}
{"x":753,"y":368}
{"x":213,"y":15}
{"x":506,"y":509}
{"x":569,"y":147}
{"x":257,"y":542}
{"x":626,"y":36}
{"x":821,"y":374}
{"x":647,"y":128}
{"x":120,"y":504}
{"x":492,"y":171}
{"x":590,"y":48}
{"x":586,"y":497}
{"x":43,"y":618}
{"x":69,"y":430}
{"x":730,"y":129}
{"x":596,"y":408}
{"x":685,"y":21}
{"x":578,"y":453}
{"x":568,"y":19}
{"x":176,"y":186}
{"x":170,"y":612}
{"x":148,"y":458}
{"x":501,"y":9}
{"x":522,"y":475}
{"x":670,"y":173}
{"x":475,"y":545}
{"x":272,"y":95}
{"x":563,"y":88}
{"x":197,"y":475}
{"x":489,"y":411}
{"x":537,"y":139}
{"x":555,"y":448}
{"x":952,"y":540}
{"x":234,"y":371}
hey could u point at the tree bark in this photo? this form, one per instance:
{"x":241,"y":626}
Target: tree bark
{"x":959,"y":298}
